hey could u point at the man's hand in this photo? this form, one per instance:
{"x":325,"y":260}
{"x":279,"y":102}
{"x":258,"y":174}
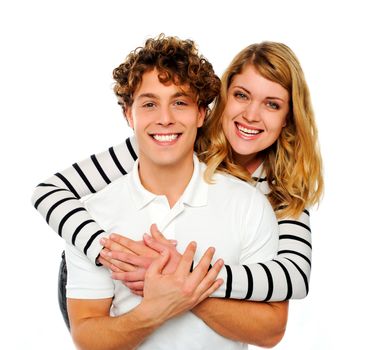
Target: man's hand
{"x":166,"y":296}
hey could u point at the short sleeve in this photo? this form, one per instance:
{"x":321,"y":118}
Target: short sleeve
{"x":84,"y":279}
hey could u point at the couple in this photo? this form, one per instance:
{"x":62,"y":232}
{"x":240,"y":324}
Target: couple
{"x":261,"y":130}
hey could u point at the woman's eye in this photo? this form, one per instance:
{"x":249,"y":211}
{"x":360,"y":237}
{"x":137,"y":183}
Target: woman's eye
{"x":273,"y":105}
{"x":240,"y":95}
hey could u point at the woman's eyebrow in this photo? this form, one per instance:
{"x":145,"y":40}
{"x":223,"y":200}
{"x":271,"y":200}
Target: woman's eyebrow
{"x":267,"y":97}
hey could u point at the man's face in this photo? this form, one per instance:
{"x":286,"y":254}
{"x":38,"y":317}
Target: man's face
{"x":165,"y":118}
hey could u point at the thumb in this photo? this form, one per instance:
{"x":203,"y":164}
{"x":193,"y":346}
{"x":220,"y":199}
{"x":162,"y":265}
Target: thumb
{"x":156,"y":234}
{"x":153,"y":243}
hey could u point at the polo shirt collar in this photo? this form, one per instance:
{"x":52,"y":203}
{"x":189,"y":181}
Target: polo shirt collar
{"x":195,"y":194}
{"x":259,"y":172}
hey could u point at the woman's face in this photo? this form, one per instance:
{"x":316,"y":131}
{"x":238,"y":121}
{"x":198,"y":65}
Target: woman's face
{"x":254,"y":115}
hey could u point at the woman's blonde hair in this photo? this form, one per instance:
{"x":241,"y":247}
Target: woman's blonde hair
{"x":293,"y":163}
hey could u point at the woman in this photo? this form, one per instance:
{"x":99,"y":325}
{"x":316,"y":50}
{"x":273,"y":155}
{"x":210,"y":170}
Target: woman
{"x":262,"y":126}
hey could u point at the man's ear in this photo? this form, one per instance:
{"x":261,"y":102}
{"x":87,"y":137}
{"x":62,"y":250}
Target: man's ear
{"x":201,"y":116}
{"x":128,"y":115}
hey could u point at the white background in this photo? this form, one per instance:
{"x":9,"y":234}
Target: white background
{"x":57,"y":107}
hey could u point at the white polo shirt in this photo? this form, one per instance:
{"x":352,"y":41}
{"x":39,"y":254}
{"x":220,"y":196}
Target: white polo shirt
{"x":230,"y":215}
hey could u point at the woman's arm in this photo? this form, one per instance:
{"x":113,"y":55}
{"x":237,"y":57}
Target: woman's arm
{"x":58,"y":198}
{"x":285,"y":277}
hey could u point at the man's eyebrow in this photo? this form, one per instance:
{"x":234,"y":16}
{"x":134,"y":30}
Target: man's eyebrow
{"x":153,"y":96}
{"x":181,"y":93}
{"x":188,"y":94}
{"x":147,"y":95}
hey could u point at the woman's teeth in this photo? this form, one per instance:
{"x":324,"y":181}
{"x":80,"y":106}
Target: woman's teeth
{"x":247,"y":131}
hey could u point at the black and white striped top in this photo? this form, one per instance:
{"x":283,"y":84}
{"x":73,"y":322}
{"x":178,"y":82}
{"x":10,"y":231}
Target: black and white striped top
{"x":58,"y":200}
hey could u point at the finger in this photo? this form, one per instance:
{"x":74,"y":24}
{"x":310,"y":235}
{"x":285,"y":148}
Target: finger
{"x":138,"y":261}
{"x":114,"y":245}
{"x":136,"y":247}
{"x":173,"y":242}
{"x":158,"y":264}
{"x":201,"y":270}
{"x":214,"y":286}
{"x":185,"y":263}
{"x":135,"y":276}
{"x":154,"y":244}
{"x":110,"y":262}
{"x":135,"y":286}
{"x":204,"y":288}
{"x":106,"y":263}
{"x":156,"y":234}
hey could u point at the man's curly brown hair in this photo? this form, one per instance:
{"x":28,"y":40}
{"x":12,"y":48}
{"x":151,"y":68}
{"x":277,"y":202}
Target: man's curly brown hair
{"x":176,"y":60}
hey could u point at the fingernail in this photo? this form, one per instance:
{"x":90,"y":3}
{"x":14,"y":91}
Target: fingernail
{"x":173,"y":241}
{"x":147,"y":236}
{"x":102,"y":241}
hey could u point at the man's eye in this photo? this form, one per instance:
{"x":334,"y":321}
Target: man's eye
{"x":181,"y":103}
{"x":148,"y":105}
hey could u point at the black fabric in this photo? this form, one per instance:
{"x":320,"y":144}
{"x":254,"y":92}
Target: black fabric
{"x":62,"y":278}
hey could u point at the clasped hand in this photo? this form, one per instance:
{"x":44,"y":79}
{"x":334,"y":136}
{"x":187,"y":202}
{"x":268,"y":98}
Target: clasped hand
{"x":129,"y":260}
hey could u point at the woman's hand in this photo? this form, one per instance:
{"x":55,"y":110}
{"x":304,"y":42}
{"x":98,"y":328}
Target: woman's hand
{"x":159,"y":243}
{"x":128,"y":259}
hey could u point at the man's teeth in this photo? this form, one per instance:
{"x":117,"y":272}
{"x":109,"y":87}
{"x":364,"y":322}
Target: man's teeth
{"x":165,"y":138}
{"x":248,"y":131}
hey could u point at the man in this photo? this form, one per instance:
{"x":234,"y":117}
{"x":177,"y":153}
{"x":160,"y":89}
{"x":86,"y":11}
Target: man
{"x":165,"y":89}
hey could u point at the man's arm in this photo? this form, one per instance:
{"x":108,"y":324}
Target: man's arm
{"x":92,"y":328}
{"x":257,"y":323}
{"x":165,"y":296}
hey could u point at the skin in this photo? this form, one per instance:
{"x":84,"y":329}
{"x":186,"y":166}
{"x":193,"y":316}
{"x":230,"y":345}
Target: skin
{"x":261,"y":107}
{"x":165,"y":122}
{"x":166,"y":296}
{"x":258,"y":106}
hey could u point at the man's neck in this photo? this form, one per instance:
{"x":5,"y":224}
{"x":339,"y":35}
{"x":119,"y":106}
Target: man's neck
{"x":170,"y":180}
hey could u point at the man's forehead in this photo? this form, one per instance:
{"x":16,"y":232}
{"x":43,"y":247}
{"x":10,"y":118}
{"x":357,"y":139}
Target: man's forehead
{"x":153,"y":85}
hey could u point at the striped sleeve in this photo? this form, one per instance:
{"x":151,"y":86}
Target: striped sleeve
{"x":58,"y":198}
{"x":285,"y":277}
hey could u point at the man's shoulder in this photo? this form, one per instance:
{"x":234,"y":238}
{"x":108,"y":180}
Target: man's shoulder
{"x":239,"y":192}
{"x":232,"y":183}
{"x":109,"y":192}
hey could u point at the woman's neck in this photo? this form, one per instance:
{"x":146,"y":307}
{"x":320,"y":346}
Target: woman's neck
{"x":251,"y":162}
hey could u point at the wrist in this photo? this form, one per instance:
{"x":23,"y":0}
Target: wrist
{"x":149,"y":314}
{"x":198,"y":310}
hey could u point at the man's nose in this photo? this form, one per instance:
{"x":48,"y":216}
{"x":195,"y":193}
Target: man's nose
{"x":166,"y":116}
